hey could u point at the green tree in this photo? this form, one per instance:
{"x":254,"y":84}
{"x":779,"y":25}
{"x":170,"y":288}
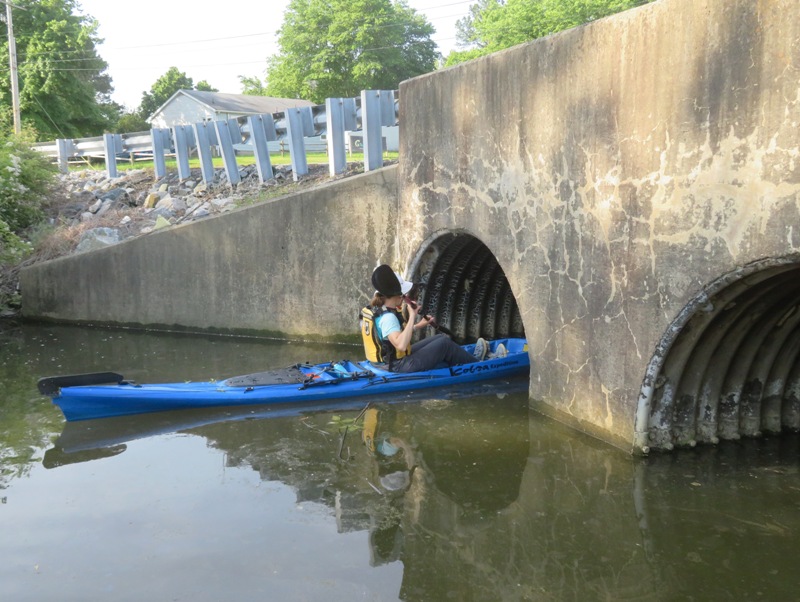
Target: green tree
{"x":164,"y":87}
{"x":493,"y":25}
{"x":204,"y":86}
{"x":466,"y":36}
{"x":131,"y":121}
{"x":64,"y":88}
{"x":252,"y":86}
{"x":332,"y":48}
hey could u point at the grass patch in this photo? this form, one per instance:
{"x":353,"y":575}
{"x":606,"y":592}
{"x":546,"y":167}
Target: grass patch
{"x":241,"y":160}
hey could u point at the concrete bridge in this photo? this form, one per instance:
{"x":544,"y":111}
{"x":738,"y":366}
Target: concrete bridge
{"x":625,"y":194}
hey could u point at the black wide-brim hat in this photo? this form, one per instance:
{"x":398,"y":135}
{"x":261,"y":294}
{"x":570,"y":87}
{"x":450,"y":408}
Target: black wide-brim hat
{"x":387,"y":282}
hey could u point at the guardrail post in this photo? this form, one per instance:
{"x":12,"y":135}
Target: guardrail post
{"x":204,"y":136}
{"x":258,"y":125}
{"x":112,"y":144}
{"x":160,"y":138}
{"x":320,"y":119}
{"x":269,"y":127}
{"x":307,"y":115}
{"x":297,"y":147}
{"x":388,"y":115}
{"x":337,"y":158}
{"x":183,"y":140}
{"x":350,"y":112}
{"x":226,"y":132}
{"x":63,"y":148}
{"x":371,"y":125}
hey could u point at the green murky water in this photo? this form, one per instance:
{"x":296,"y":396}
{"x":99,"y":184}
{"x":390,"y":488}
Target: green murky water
{"x":441,"y":497}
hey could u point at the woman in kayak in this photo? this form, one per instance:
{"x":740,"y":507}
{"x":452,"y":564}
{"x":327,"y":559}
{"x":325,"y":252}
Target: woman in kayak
{"x":387,"y":333}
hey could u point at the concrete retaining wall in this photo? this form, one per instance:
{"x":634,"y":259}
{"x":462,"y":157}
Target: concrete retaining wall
{"x":295,"y":267}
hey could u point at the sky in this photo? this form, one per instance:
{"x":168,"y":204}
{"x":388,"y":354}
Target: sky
{"x":210,"y":40}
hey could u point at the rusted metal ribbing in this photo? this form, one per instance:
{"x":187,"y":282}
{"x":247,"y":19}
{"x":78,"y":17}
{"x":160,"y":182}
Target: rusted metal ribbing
{"x":775,"y":388}
{"x":467,"y":291}
{"x":686,"y":386}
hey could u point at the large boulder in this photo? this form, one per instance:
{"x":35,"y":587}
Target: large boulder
{"x":98,"y":238}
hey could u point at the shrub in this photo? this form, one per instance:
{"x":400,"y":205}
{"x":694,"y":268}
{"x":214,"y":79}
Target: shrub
{"x":25,"y":179}
{"x":12,"y":247}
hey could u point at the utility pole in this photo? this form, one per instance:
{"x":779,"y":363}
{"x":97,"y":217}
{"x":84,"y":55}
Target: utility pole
{"x":12,"y":57}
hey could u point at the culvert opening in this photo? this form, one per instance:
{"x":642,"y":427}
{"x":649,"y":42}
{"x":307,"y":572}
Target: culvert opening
{"x":466,"y":290}
{"x":732,"y":369}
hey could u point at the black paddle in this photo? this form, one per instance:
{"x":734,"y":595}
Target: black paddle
{"x":51,"y":384}
{"x":431,"y":320}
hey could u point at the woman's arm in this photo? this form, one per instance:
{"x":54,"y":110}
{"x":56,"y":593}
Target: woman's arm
{"x":401,"y":339}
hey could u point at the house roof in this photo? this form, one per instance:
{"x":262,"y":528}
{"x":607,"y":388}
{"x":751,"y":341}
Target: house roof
{"x":239,"y":103}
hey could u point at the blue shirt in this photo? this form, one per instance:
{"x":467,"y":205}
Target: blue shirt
{"x":387,"y":323}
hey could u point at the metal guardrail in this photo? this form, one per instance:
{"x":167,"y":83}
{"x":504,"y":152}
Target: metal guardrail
{"x":299,"y":130}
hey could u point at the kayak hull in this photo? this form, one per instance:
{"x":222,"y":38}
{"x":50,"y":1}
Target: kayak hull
{"x":320,"y":382}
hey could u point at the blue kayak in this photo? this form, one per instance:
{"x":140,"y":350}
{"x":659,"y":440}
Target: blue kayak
{"x":107,"y":394}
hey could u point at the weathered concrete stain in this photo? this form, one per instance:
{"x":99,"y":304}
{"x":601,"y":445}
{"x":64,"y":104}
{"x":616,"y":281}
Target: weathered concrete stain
{"x":615,"y":170}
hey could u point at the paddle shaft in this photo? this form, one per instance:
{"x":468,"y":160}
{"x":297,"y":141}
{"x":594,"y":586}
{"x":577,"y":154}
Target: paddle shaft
{"x":430,"y":319}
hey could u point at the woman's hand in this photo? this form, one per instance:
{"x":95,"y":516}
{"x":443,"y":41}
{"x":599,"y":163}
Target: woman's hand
{"x":424,"y":322}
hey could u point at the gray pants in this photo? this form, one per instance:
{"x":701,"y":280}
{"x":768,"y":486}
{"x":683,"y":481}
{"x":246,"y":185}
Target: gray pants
{"x":432,"y":352}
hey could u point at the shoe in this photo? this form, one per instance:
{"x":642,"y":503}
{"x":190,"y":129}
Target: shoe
{"x":481,"y":347}
{"x":501,"y":351}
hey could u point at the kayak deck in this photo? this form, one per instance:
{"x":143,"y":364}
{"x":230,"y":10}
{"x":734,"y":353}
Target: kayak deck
{"x":111,"y":395}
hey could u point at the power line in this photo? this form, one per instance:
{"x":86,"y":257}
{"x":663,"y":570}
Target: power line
{"x":273,"y":32}
{"x":238,"y":37}
{"x":69,"y":61}
{"x":12,"y":5}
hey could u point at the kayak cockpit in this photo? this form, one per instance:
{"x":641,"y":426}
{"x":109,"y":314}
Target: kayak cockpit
{"x":303,"y":374}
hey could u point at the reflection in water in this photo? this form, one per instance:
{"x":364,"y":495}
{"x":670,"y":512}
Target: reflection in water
{"x":395,"y":480}
{"x":730,"y":513}
{"x":395,"y":462}
{"x":472,"y":497}
{"x":479,"y":503}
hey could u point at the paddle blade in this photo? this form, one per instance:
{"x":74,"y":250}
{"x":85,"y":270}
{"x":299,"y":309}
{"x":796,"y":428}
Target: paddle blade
{"x":51,"y":384}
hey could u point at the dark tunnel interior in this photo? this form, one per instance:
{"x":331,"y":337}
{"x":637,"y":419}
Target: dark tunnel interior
{"x":734,"y":369}
{"x":466,"y":291}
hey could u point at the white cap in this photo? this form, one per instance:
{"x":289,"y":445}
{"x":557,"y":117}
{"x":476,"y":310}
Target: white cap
{"x":405,"y":286}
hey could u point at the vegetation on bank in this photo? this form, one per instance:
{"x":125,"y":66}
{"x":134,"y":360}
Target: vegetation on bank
{"x":26,"y":179}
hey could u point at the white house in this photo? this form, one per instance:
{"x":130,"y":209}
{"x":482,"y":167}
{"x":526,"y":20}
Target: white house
{"x":186,"y":107}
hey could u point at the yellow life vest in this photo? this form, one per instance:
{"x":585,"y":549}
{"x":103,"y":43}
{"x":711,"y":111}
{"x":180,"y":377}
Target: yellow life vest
{"x":376,"y":350}
{"x":370,"y":430}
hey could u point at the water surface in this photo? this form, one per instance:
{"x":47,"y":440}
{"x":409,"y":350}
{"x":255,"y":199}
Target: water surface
{"x":459,"y":495}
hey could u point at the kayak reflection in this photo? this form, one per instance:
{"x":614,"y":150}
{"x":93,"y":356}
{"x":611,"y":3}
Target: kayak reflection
{"x":90,"y":440}
{"x":100,"y":434}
